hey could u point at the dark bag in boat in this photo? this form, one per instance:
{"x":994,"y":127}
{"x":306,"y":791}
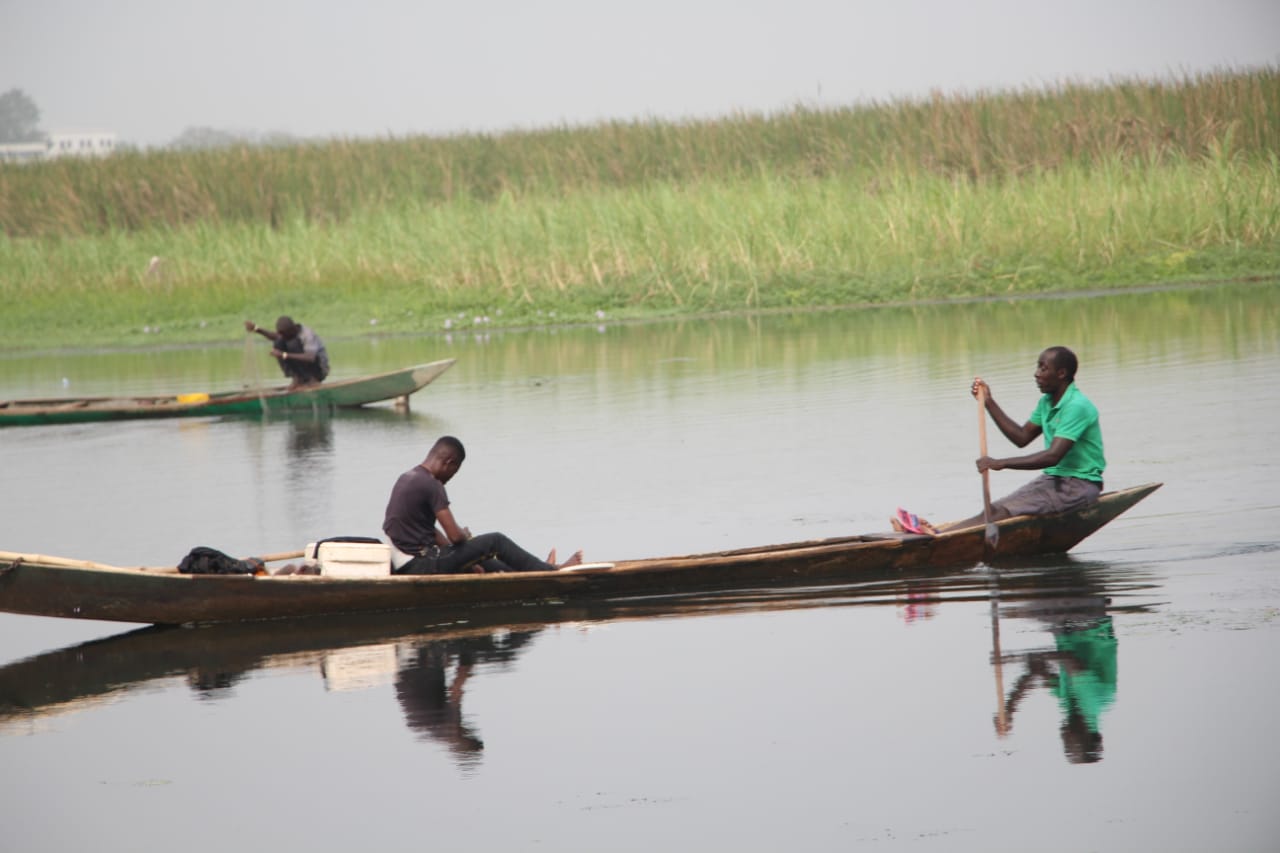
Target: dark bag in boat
{"x":209,"y":561}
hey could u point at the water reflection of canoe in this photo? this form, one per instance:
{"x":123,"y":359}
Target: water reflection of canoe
{"x":342,"y":393}
{"x":52,"y":586}
{"x":213,"y":659}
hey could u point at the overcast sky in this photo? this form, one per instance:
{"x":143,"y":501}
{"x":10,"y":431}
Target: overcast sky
{"x":148,"y":69}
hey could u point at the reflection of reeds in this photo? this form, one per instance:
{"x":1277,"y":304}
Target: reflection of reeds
{"x":1218,"y":323}
{"x":983,"y":194}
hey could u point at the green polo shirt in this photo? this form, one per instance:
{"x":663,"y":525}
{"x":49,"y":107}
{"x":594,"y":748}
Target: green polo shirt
{"x":1074,"y":418}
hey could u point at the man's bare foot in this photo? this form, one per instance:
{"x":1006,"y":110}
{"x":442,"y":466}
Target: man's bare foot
{"x":551,"y":558}
{"x":921,"y":526}
{"x":575,"y":560}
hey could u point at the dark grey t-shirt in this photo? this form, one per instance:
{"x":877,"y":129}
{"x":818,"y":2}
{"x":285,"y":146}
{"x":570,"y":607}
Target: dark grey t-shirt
{"x":410,"y":520}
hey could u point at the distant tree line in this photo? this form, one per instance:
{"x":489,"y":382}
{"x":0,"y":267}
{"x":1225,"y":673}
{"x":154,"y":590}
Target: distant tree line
{"x":19,"y":118}
{"x":20,"y":122}
{"x":198,"y":138}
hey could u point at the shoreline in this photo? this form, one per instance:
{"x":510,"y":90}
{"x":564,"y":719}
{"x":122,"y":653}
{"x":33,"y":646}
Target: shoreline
{"x":524,"y":328}
{"x":1011,"y":195}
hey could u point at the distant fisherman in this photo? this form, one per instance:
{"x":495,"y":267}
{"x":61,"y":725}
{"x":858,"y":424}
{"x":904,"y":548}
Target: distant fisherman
{"x":299,"y":350}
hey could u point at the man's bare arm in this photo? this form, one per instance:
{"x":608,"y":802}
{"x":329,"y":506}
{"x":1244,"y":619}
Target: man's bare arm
{"x":1046,"y":458}
{"x":455,"y":533}
{"x":1019,"y":435}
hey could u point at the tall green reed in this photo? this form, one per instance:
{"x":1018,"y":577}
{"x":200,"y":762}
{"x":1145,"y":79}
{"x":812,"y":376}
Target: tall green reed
{"x":768,"y":239}
{"x":980,"y":136}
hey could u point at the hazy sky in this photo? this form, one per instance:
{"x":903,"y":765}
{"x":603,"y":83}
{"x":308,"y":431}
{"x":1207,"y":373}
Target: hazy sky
{"x":148,"y":69}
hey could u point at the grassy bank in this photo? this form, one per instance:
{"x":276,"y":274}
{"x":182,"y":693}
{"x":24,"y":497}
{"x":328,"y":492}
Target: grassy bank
{"x":1000,"y":194}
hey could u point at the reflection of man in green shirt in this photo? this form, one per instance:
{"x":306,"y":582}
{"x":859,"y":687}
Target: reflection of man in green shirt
{"x":1086,"y":686}
{"x":1084,"y":681}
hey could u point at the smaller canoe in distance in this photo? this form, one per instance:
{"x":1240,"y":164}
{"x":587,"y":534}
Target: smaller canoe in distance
{"x":342,"y":393}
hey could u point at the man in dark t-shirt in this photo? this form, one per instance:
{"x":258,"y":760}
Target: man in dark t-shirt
{"x":419,"y":502}
{"x":302,"y":355}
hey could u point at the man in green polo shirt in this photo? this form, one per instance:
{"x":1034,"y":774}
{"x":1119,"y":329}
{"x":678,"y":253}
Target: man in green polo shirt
{"x":1072,"y":459}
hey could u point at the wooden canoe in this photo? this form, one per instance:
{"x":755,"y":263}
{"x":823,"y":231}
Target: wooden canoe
{"x":342,"y":393}
{"x":52,"y":586}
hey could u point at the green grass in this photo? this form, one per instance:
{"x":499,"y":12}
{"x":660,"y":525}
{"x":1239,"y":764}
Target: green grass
{"x":1059,"y":190}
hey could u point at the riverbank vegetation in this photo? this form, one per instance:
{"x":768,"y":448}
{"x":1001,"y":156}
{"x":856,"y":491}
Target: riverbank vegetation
{"x":1067,"y":188}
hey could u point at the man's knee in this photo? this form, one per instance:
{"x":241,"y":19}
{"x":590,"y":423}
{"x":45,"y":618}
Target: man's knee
{"x":999,"y":512}
{"x":491,"y":542}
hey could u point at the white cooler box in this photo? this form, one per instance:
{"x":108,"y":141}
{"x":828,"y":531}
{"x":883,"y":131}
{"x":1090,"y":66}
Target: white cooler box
{"x":351,"y":559}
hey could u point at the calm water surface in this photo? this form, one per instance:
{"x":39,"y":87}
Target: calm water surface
{"x":1120,"y":698}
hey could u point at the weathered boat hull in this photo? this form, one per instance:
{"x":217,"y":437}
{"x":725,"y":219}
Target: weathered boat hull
{"x":46,"y":586}
{"x":343,"y":393}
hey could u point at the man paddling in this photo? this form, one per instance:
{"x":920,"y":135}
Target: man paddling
{"x":299,"y":350}
{"x":419,"y":502}
{"x":1072,"y":459}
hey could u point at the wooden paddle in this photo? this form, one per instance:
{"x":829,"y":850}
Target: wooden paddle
{"x":265,"y":558}
{"x":65,"y":563}
{"x":284,"y":555}
{"x":1002,"y":718}
{"x":47,"y":560}
{"x":992,"y":532}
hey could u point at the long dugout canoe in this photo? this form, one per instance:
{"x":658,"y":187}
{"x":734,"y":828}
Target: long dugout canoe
{"x":342,"y":393}
{"x":53,"y":586}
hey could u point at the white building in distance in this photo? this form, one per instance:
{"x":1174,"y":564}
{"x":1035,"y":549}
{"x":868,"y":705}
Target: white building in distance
{"x":95,"y":143}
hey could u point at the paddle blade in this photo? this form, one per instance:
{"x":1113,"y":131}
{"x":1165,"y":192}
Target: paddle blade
{"x":993,"y":535}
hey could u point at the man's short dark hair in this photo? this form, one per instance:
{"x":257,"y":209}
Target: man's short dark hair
{"x":1064,"y":359}
{"x":448,"y":442}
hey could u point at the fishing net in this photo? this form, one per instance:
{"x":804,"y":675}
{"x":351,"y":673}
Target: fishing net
{"x":251,"y":363}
